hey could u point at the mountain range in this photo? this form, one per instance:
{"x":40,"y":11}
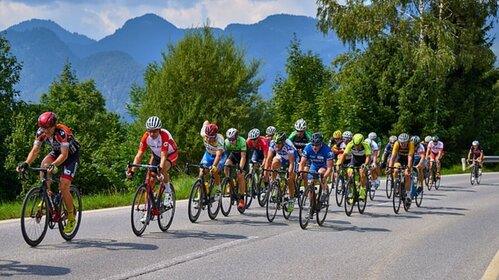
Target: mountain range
{"x":120,"y":59}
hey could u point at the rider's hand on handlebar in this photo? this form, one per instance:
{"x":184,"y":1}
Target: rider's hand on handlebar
{"x":213,"y":169}
{"x":52,"y":169}
{"x":22,"y":167}
{"x":129,"y":173}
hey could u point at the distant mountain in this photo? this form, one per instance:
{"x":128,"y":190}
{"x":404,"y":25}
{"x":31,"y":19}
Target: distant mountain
{"x":119,"y":60}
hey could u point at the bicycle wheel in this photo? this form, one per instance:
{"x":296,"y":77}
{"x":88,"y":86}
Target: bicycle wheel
{"x":361,"y":203}
{"x":245,"y":194}
{"x":372,"y":190}
{"x":215,"y":200}
{"x":226,"y":198}
{"x":249,"y":179}
{"x":306,"y":210}
{"x":389,"y":186}
{"x":437,"y":183}
{"x":140,"y":209}
{"x":419,"y":198}
{"x":77,"y":208}
{"x":34,"y":218}
{"x":340,"y":190}
{"x":166,"y":212}
{"x":478,"y":176}
{"x":472,"y":176}
{"x":286,"y":198}
{"x":322,"y":210}
{"x":273,"y":197}
{"x":195,"y":201}
{"x":298,"y":191}
{"x":349,"y":197}
{"x":262,"y":188}
{"x":397,"y":197}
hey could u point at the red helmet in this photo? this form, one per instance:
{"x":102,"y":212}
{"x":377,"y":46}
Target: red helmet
{"x":47,"y":119}
{"x":211,"y":130}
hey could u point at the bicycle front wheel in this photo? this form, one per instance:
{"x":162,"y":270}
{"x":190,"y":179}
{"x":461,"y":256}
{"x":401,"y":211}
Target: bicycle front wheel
{"x":250,"y":189}
{"x":141,"y":209}
{"x":324,"y":206}
{"x":273,"y":197}
{"x":397,"y":197}
{"x":419,"y":199}
{"x":340,"y":190}
{"x":195,"y":201}
{"x":372,"y":189}
{"x":214,"y":201}
{"x":472,"y":176}
{"x":349,"y":197}
{"x":389,"y":186}
{"x":478,"y":176}
{"x":34,"y":218}
{"x":361,"y":203}
{"x":306,"y":210}
{"x":166,"y":212}
{"x":227,"y":190}
{"x":77,"y":208}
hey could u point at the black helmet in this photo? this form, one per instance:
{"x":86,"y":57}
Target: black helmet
{"x":316,"y":139}
{"x":280,"y":137}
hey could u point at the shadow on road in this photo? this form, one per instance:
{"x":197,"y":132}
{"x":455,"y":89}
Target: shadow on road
{"x":200,"y":234}
{"x":108,"y":244}
{"x":16,"y":268}
{"x":335,"y":227}
{"x":391,"y":215}
{"x":456,"y":189}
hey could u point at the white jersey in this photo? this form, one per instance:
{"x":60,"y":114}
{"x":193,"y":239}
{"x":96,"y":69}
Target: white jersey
{"x":287,"y":149}
{"x":435,"y":148}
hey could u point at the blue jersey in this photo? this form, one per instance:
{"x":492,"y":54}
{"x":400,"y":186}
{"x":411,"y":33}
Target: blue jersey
{"x":320,"y":158}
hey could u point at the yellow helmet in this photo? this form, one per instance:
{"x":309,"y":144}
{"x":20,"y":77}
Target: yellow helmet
{"x":337,"y":134}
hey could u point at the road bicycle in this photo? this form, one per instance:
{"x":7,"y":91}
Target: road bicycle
{"x":399,"y":192}
{"x":204,"y":194}
{"x":389,"y":186}
{"x":341,"y":177}
{"x":371,"y":185}
{"x":352,"y":192}
{"x":255,"y":185}
{"x":415,"y":194}
{"x":231,"y":192}
{"x":277,"y":195}
{"x":148,"y":202}
{"x":475,"y":175}
{"x":311,"y":202}
{"x":433,"y":179}
{"x":42,"y":210}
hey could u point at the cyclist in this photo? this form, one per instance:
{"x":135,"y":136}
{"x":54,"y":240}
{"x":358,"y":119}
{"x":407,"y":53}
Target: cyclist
{"x":283,"y":153}
{"x":419,"y":155}
{"x":260,"y":147}
{"x":320,"y":157}
{"x":402,"y":155}
{"x":477,"y":152}
{"x":387,"y":153}
{"x":435,"y":152}
{"x":335,"y":143}
{"x":64,"y":153}
{"x":374,"y":166}
{"x":300,"y":137}
{"x":427,"y":140}
{"x":360,"y":152}
{"x":373,"y":136}
{"x":214,"y":156}
{"x":235,"y":146}
{"x":164,"y":152}
{"x":270,"y":131}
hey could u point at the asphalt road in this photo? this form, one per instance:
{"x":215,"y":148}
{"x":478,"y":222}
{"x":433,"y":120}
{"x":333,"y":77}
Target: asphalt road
{"x":454,"y":235}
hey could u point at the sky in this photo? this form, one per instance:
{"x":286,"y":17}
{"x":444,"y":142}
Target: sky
{"x":99,"y":18}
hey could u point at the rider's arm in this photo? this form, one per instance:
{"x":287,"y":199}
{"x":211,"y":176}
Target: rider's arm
{"x":242,"y":162}
{"x":329,"y":169}
{"x":291,"y":157}
{"x":301,"y":167}
{"x":62,"y":157}
{"x":218,"y":157}
{"x":137,"y":159}
{"x":33,"y":154}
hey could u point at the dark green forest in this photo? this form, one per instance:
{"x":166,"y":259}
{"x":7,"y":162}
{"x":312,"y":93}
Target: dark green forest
{"x":422,"y":69}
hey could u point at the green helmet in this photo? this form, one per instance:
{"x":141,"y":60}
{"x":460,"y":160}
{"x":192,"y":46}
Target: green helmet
{"x":357,"y":139}
{"x":280,"y":137}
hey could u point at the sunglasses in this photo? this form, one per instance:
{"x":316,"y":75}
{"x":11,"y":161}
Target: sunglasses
{"x":153,"y":130}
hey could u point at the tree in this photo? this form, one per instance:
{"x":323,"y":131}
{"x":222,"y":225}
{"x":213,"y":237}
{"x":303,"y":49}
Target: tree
{"x":9,"y":76}
{"x":201,"y":77}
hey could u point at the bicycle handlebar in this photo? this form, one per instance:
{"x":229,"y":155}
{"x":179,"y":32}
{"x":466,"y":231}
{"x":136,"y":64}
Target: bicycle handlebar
{"x":188,"y":165}
{"x":321,"y":175}
{"x":147,"y":166}
{"x":280,"y":171}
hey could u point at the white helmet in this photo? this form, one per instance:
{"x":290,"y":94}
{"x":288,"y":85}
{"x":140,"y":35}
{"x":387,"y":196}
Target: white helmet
{"x":254,"y":133}
{"x":153,"y":123}
{"x":427,"y":139}
{"x":475,"y":143}
{"x":231,"y":133}
{"x":372,"y":136}
{"x":392,"y":139}
{"x":270,"y":131}
{"x":347,"y":134}
{"x":403,"y":138}
{"x":300,"y":125}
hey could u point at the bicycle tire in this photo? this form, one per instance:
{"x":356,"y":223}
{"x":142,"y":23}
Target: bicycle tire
{"x":215,"y":201}
{"x":245,"y":196}
{"x":389,"y":186}
{"x":286,"y":195}
{"x":372,"y":190}
{"x":437,"y":183}
{"x":226,"y":197}
{"x":397,"y":197}
{"x":34,"y":216}
{"x":140,"y":207}
{"x":273,"y":197}
{"x":251,"y":189}
{"x":298,"y":192}
{"x":419,"y":199}
{"x":322,"y":211}
{"x":349,"y":194}
{"x":361,"y":204}
{"x":195,"y":201}
{"x":340,"y":190}
{"x":472,"y":176}
{"x":166,"y":212}
{"x":77,"y":209}
{"x":478,"y":176}
{"x":262,"y":194}
{"x":305,"y":208}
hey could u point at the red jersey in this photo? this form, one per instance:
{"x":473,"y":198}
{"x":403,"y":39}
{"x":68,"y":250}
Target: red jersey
{"x":164,"y":142}
{"x":261,"y":144}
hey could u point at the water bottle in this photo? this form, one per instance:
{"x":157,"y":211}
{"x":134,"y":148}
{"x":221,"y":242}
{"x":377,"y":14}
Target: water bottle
{"x":57,"y":199}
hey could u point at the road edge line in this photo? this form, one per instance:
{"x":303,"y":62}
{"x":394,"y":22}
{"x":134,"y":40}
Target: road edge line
{"x":492,"y":272}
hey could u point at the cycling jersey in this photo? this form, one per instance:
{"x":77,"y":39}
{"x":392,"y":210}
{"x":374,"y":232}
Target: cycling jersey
{"x":363,"y":150}
{"x":374,"y":149}
{"x":418,"y":154}
{"x":63,"y":137}
{"x":300,"y":142}
{"x":320,"y":158}
{"x":237,"y":147}
{"x":435,"y":148}
{"x":403,"y":151}
{"x":163,"y":143}
{"x":335,"y":146}
{"x":261,"y":144}
{"x":283,"y":154}
{"x":476,"y":152}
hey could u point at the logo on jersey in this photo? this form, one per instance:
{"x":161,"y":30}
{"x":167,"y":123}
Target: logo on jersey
{"x":165,"y":144}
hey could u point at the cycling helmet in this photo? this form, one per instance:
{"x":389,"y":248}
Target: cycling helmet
{"x":270,"y":131}
{"x":47,"y":120}
{"x":372,"y":136}
{"x":254,"y":133}
{"x":280,"y":137}
{"x":434,"y":138}
{"x":403,"y":138}
{"x":358,"y":139}
{"x":415,"y":139}
{"x":392,"y":139}
{"x":211,"y":130}
{"x":369,"y":141}
{"x":300,"y":125}
{"x":316,"y":139}
{"x":232,"y":133}
{"x":337,"y":134}
{"x":348,"y":135}
{"x":153,"y":123}
{"x":475,"y":143}
{"x":427,"y":139}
